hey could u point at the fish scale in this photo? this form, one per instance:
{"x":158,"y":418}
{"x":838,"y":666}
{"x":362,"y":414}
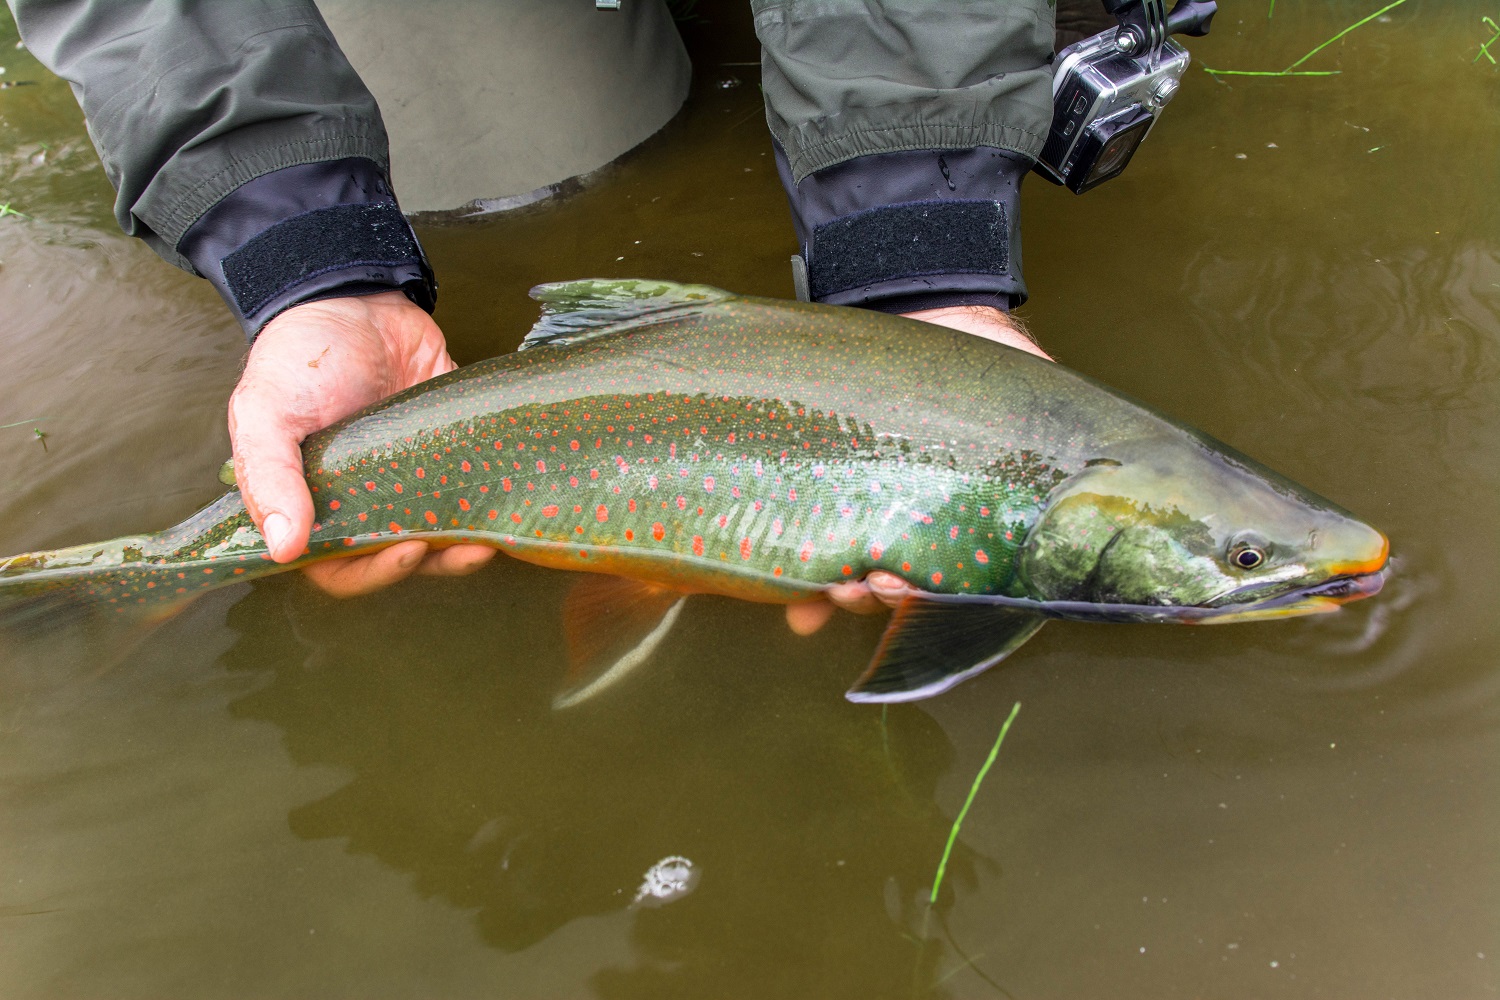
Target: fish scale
{"x":696,"y":441}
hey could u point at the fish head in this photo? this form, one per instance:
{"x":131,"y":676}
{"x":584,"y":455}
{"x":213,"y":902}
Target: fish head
{"x":1189,"y":524}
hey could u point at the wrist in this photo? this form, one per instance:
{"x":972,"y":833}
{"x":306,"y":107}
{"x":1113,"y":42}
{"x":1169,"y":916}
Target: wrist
{"x":308,"y":232}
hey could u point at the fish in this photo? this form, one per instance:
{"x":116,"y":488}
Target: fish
{"x":672,"y":439}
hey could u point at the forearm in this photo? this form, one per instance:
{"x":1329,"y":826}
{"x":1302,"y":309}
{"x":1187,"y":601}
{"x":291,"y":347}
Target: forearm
{"x":221,"y":125}
{"x":903,"y":129}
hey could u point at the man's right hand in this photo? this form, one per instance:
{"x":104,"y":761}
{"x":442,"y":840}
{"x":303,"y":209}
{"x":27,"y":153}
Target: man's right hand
{"x":314,"y":364}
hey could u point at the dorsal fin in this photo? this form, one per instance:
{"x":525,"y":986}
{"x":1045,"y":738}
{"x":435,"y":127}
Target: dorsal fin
{"x":574,"y":311}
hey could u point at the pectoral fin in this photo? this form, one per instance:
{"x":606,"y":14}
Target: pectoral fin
{"x":930,"y":646}
{"x":612,"y":625}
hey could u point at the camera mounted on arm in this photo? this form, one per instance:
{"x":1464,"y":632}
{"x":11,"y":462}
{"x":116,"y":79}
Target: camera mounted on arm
{"x":1108,"y":90}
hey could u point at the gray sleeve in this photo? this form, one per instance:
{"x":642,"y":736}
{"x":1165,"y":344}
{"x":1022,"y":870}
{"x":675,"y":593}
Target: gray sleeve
{"x":848,"y":78}
{"x":187,"y":101}
{"x":903,"y":130}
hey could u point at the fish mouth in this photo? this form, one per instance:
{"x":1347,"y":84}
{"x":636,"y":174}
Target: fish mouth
{"x":1317,"y":599}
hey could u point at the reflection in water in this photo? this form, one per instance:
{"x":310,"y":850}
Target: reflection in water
{"x":796,"y":810}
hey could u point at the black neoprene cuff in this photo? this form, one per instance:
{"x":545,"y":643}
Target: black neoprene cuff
{"x":308,"y":232}
{"x":911,"y":230}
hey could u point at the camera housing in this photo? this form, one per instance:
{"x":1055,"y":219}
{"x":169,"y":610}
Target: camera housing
{"x":1105,"y":101}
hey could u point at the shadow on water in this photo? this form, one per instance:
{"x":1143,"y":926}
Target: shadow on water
{"x":810,"y":822}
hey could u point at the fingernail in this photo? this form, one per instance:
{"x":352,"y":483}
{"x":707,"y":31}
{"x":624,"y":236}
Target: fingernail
{"x":409,"y":559}
{"x":275,"y":529}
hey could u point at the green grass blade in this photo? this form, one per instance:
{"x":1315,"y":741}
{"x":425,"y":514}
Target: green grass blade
{"x":958,"y":822}
{"x":1341,"y":34}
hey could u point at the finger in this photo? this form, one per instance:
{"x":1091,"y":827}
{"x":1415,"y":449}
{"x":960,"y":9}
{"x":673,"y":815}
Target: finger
{"x":456,"y":560}
{"x":268,"y":468}
{"x":359,"y":575}
{"x":888,"y":588}
{"x":806,"y":617}
{"x":855,"y":596}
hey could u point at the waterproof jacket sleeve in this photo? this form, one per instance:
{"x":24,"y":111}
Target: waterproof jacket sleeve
{"x":902,"y":131}
{"x":241,"y":143}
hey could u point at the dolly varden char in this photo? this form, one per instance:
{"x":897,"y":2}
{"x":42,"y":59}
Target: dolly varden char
{"x":683,"y":436}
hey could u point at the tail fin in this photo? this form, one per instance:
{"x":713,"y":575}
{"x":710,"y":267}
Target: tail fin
{"x":139,"y":579}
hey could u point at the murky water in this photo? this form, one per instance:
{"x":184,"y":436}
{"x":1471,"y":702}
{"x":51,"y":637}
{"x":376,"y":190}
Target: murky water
{"x":277,"y":794}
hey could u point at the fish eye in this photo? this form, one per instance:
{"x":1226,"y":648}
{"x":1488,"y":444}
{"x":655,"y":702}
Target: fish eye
{"x":1247,"y":556}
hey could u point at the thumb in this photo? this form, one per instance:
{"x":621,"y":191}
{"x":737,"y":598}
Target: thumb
{"x":268,"y":468}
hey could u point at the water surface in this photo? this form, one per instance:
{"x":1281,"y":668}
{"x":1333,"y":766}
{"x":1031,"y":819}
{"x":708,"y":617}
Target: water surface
{"x":278,"y":794}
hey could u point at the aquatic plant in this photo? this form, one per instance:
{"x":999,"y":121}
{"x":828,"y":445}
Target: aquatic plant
{"x":1484,"y":48}
{"x":1292,"y":70}
{"x":937,"y":882}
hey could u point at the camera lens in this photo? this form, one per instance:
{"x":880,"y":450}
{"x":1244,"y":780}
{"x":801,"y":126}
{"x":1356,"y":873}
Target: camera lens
{"x":1114,"y":141}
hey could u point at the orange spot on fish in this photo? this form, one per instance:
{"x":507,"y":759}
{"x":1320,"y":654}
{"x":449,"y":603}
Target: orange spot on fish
{"x":697,"y":545}
{"x":937,"y":578}
{"x":395,"y":528}
{"x":953,"y":531}
{"x":876,"y":551}
{"x":574,"y":445}
{"x":906,"y":567}
{"x":334,"y":505}
{"x":776,"y":571}
{"x":981,"y":556}
{"x":505,"y":485}
{"x":541,"y":466}
{"x":430,"y":516}
{"x":550,"y":510}
{"x":494,"y":514}
{"x":368,"y":486}
{"x":631,"y":505}
{"x":658,"y":532}
{"x":708,"y":484}
{"x":516,"y":518}
{"x":363,"y":516}
{"x":463,"y":504}
{"x":745,"y":548}
{"x":629,"y":535}
{"x":419,"y":473}
{"x":806,"y":552}
{"x":347,"y":541}
{"x":397,"y":487}
{"x":601,"y":513}
{"x":466,"y":466}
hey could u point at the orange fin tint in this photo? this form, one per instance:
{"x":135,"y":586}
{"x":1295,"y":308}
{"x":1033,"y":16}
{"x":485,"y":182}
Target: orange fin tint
{"x":612,"y":625}
{"x":929,"y":646}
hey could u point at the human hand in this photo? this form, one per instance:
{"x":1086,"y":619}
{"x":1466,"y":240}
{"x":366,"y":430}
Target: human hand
{"x":882,"y":589}
{"x":314,"y":364}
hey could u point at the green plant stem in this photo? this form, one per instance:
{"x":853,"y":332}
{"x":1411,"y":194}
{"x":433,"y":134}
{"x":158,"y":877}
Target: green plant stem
{"x":1341,"y":34}
{"x":1292,"y":69}
{"x":1271,"y":72}
{"x":958,"y":822}
{"x":1484,"y":49}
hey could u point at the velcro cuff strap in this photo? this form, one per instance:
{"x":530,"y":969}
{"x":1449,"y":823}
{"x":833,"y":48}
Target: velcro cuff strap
{"x":315,"y":243}
{"x":911,"y":240}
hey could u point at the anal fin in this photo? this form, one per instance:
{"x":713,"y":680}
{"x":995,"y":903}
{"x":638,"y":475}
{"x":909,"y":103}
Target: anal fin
{"x":929,"y":646}
{"x":612,"y":625}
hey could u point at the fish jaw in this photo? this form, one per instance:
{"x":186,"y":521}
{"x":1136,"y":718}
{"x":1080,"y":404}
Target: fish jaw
{"x":1318,"y":600}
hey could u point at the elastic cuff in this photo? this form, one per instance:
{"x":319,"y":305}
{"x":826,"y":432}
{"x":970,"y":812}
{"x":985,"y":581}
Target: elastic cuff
{"x":308,"y":232}
{"x":899,"y":232}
